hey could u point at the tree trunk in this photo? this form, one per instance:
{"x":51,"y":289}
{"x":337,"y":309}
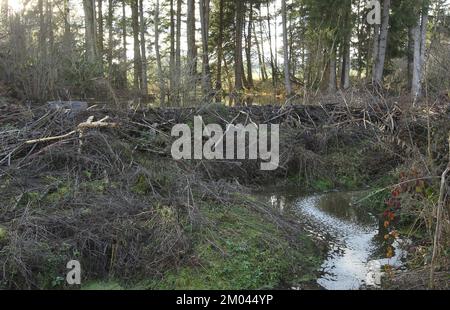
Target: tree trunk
{"x":67,"y":36}
{"x":346,"y":66}
{"x":220,"y":53}
{"x":178,"y":55}
{"x":110,"y":34}
{"x":124,"y":65}
{"x":192,"y":50}
{"x":346,"y":57}
{"x":263,"y":61}
{"x":100,"y":37}
{"x":137,"y":48}
{"x":162,"y":86}
{"x":238,"y":65}
{"x":42,"y":28}
{"x":172,"y":72}
{"x":90,"y":27}
{"x":272,"y":61}
{"x":144,"y":79}
{"x":419,"y":36}
{"x":4,"y":8}
{"x":124,"y":33}
{"x":332,"y":74}
{"x":410,"y":56}
{"x":287,"y":77}
{"x":382,"y":45}
{"x":250,"y":82}
{"x":204,"y":18}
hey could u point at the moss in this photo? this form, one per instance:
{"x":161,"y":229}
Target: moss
{"x":103,"y":286}
{"x":141,"y":185}
{"x":239,"y":250}
{"x":3,"y":234}
{"x":244,"y":251}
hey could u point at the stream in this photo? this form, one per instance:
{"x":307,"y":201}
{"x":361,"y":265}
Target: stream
{"x":356,"y":253}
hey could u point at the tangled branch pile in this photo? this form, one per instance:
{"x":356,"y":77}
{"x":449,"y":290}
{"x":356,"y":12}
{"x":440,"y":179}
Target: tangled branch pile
{"x":106,"y":190}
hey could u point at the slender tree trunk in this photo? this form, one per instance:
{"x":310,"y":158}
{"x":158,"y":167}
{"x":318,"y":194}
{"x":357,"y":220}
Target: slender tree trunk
{"x":4,"y":8}
{"x":220,"y":53}
{"x":419,"y":34}
{"x":162,"y":86}
{"x":238,"y":66}
{"x":100,"y":37}
{"x":67,"y":37}
{"x":51,"y":34}
{"x":137,"y":48}
{"x":110,"y":34}
{"x":272,"y":61}
{"x":204,"y":17}
{"x":192,"y":50}
{"x":332,"y":73}
{"x":263,"y":60}
{"x":144,"y":79}
{"x":346,"y":57}
{"x":124,"y":67}
{"x":346,"y":66}
{"x":42,"y":28}
{"x":287,"y":78}
{"x":172,"y":71}
{"x":382,"y":46}
{"x":375,"y":50}
{"x":90,"y":26}
{"x":260,"y":56}
{"x":411,"y":34}
{"x":178,"y":54}
{"x":250,"y":82}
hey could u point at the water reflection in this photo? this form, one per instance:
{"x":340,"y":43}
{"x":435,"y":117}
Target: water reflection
{"x":351,"y":232}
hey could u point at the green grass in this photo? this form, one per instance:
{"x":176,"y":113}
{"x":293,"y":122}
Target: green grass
{"x":240,"y":250}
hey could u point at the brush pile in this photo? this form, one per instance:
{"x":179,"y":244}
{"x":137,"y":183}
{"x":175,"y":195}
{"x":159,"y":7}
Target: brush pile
{"x":100,"y":185}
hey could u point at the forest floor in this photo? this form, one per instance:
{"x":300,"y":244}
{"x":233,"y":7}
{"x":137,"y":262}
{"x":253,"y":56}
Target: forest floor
{"x":114,"y":199}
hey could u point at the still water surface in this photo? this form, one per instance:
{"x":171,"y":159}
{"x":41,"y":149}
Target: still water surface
{"x":356,"y":253}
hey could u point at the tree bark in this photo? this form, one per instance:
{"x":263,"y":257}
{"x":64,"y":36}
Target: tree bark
{"x":67,"y":36}
{"x":272,"y":61}
{"x":178,"y":55}
{"x":100,"y":36}
{"x":137,"y":49}
{"x":419,"y":35}
{"x":124,"y":65}
{"x":162,"y":85}
{"x":192,"y":50}
{"x":110,"y":34}
{"x":238,"y":65}
{"x":263,"y":61}
{"x":172,"y":54}
{"x":346,"y":57}
{"x":90,"y":27}
{"x":250,"y":82}
{"x":332,"y":73}
{"x":287,"y":71}
{"x":220,"y":53}
{"x":144,"y":79}
{"x":382,"y":45}
{"x":4,"y":8}
{"x":204,"y":18}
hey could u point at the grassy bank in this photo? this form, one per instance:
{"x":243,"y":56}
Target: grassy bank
{"x":240,"y":250}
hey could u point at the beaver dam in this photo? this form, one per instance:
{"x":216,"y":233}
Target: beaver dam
{"x":351,"y":206}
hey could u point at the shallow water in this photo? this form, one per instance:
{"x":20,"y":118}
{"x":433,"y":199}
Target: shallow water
{"x":356,"y":252}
